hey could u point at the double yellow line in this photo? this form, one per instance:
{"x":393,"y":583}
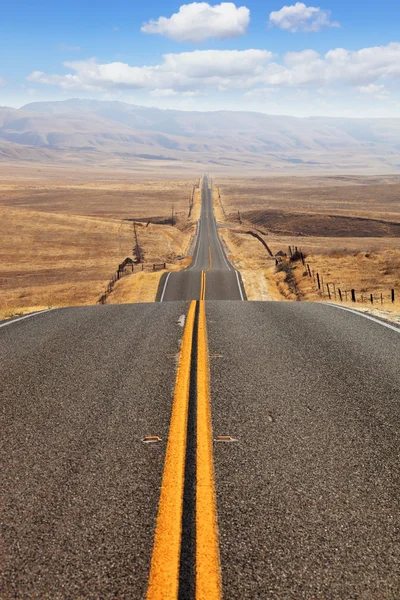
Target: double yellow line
{"x":165,"y":564}
{"x":203,"y":286}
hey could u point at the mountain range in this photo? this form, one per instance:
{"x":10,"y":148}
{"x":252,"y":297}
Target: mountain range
{"x":119,"y":134}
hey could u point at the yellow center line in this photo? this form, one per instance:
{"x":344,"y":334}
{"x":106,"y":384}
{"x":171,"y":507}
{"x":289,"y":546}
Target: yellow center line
{"x":208,"y":570}
{"x":203,"y":286}
{"x":164,"y":571}
{"x":210,"y":258}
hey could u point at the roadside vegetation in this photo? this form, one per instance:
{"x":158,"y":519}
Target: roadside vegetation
{"x":350,"y":236}
{"x":63,"y":239}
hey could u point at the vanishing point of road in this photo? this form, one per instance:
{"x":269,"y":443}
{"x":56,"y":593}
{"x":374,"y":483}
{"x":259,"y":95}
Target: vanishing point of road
{"x":201,"y":447}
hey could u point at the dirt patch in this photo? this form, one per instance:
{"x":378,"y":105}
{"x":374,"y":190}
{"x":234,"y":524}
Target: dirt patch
{"x":297,"y":224}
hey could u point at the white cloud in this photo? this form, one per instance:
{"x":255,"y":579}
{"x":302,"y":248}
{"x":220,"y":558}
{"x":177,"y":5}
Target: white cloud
{"x":375,"y":91}
{"x":193,"y":94}
{"x":163,"y":93}
{"x":372,"y":88}
{"x":198,"y":21}
{"x":246,"y":70}
{"x":181,"y":72}
{"x":300,"y":17}
{"x":261,"y":93}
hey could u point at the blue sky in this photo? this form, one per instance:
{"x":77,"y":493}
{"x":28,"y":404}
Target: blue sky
{"x":336,"y":58}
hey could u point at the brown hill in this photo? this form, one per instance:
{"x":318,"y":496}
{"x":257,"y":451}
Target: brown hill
{"x":95,"y":132}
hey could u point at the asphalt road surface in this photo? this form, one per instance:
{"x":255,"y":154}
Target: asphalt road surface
{"x":223,"y":281}
{"x":303,"y":503}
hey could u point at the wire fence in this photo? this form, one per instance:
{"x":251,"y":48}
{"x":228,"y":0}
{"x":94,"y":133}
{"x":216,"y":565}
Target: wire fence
{"x":128,"y":267}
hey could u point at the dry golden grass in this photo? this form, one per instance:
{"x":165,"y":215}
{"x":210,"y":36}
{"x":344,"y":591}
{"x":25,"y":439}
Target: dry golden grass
{"x":51,"y":258}
{"x":57,"y":260}
{"x":366,"y":272}
{"x":367,"y":264}
{"x":140,"y":287}
{"x":373,"y":197}
{"x":124,"y":200}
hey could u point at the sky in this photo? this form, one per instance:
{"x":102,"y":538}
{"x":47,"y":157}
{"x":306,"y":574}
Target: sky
{"x":332,"y":58}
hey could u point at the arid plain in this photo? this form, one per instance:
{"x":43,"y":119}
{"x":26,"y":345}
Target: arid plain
{"x":64,"y":233}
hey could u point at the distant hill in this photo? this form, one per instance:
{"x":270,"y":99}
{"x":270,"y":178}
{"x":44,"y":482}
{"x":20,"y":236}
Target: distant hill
{"x":96,"y":132}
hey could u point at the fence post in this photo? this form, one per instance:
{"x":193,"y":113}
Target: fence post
{"x":318,"y":281}
{"x":381,"y":298}
{"x":309,"y":271}
{"x":340,"y":294}
{"x":392,"y":295}
{"x":329,"y":291}
{"x":353,"y":295}
{"x":371,"y":298}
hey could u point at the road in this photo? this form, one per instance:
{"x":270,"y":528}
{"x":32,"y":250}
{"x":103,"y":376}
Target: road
{"x":223,"y":281}
{"x":302,"y":503}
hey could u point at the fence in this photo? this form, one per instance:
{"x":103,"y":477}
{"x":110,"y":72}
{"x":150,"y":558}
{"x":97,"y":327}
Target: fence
{"x":127,"y":268}
{"x":332,"y":290}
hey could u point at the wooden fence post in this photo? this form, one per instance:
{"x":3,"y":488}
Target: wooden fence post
{"x":392,"y":295}
{"x":340,"y":295}
{"x":318,"y":281}
{"x":309,"y":271}
{"x":353,"y":295}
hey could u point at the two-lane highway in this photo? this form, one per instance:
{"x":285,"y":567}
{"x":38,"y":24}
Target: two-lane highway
{"x":273,"y":472}
{"x":223,"y":281}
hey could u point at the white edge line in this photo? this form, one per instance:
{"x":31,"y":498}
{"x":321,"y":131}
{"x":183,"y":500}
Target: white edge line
{"x":165,"y":287}
{"x":196,"y":245}
{"x":361,"y":314}
{"x":221,"y":246}
{"x":240,"y":287}
{"x":40,"y":312}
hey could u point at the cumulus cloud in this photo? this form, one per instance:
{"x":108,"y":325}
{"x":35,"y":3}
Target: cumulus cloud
{"x":183,"y":72}
{"x":372,"y":88}
{"x":300,"y":17}
{"x":376,"y":91}
{"x":199,"y":21}
{"x":245,"y":70}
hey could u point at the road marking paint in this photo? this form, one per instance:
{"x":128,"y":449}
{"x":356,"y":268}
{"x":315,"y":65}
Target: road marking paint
{"x":208,"y":569}
{"x":181,"y":321}
{"x":165,"y":287}
{"x":240,"y":287}
{"x":209,"y":258}
{"x":164,"y":571}
{"x":40,"y":312}
{"x":203,"y":286}
{"x":361,"y":314}
{"x":220,"y":245}
{"x":197,"y":244}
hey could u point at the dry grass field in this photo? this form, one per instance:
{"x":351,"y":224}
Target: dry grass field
{"x":349,"y":228}
{"x":63,"y":239}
